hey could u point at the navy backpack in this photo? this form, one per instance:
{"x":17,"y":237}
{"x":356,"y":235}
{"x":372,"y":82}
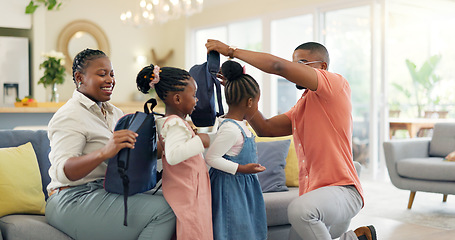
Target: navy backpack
{"x":204,"y":114}
{"x":134,"y":171}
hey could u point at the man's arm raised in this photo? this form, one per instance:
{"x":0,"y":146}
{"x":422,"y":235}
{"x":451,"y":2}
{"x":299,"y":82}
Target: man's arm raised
{"x":299,"y":74}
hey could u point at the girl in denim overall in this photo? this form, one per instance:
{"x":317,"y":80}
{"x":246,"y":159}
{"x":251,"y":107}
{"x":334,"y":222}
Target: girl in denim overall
{"x":238,"y":209}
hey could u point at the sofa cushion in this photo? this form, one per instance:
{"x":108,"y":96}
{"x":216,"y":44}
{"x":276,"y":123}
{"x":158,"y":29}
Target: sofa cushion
{"x":432,"y":168}
{"x":292,"y":167}
{"x":272,"y":155}
{"x":443,"y":139}
{"x":20,"y":189}
{"x":29,"y":227}
{"x":276,"y":205}
{"x":40,"y":144}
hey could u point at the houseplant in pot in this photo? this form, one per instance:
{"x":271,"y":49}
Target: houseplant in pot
{"x":54,"y":72}
{"x":424,"y":81}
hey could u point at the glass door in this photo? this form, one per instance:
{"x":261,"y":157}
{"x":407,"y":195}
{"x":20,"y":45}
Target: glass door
{"x":348,"y":37}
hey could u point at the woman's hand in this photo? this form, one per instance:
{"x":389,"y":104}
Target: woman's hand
{"x":250,"y":168}
{"x":215,"y":45}
{"x":205,"y":139}
{"x":78,"y":167}
{"x":120,"y":139}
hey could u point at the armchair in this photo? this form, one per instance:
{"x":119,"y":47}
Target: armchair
{"x":418,"y":164}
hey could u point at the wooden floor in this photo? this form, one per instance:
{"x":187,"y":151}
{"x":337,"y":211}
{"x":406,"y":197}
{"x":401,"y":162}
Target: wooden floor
{"x":389,"y":229}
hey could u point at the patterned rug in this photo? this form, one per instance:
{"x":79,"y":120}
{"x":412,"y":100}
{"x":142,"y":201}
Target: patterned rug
{"x":382,"y":199}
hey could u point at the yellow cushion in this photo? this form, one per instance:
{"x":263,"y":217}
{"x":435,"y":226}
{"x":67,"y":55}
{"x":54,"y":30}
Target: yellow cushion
{"x":292,"y":167}
{"x":20,"y":181}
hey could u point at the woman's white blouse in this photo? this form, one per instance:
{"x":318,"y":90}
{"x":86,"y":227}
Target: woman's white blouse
{"x":78,"y":128}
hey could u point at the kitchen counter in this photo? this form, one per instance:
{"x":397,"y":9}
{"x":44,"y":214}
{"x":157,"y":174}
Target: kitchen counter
{"x":36,"y":117}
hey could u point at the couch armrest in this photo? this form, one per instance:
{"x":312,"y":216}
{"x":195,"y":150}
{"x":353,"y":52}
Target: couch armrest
{"x":395,"y":150}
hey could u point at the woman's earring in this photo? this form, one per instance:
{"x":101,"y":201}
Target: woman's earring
{"x":79,"y":84}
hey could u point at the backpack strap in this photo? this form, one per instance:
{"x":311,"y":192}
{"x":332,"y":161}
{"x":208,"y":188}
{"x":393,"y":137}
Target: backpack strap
{"x":213,"y":66}
{"x":122,"y":166}
{"x":126,"y":184}
{"x":149,"y":110}
{"x":158,"y":178}
{"x":218,"y":97}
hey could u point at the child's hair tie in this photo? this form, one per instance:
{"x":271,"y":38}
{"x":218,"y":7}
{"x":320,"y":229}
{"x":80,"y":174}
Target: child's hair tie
{"x":155,"y":76}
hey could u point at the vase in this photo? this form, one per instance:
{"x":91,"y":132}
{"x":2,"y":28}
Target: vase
{"x":54,"y":94}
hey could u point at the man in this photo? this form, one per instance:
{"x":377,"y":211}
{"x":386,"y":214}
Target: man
{"x":321,"y":124}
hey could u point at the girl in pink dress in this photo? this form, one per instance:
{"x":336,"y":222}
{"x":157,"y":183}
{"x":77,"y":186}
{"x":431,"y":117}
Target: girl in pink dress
{"x":186,"y":182}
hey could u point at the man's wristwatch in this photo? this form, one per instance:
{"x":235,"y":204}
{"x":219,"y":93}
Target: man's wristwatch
{"x":231,"y":51}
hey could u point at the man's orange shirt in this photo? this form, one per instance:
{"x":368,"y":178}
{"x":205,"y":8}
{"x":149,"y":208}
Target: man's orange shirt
{"x":322,"y":131}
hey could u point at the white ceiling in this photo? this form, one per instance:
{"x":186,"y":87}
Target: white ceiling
{"x":214,"y":3}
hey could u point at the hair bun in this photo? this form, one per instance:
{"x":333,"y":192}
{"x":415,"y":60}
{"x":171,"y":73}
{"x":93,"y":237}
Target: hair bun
{"x":143,"y":78}
{"x":231,"y":70}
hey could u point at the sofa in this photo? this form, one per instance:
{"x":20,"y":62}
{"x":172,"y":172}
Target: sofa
{"x":418,"y":164}
{"x":19,"y":225}
{"x":29,"y":226}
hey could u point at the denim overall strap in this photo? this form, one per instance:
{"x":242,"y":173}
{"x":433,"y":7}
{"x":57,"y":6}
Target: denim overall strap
{"x":238,"y":125}
{"x":248,"y":153}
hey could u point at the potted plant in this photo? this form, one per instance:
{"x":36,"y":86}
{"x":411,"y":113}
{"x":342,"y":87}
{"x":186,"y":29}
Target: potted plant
{"x":394,"y":109}
{"x":424,"y":80}
{"x":54,"y":72}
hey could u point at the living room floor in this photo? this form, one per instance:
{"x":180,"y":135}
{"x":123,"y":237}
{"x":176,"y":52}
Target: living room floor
{"x":390,"y":229}
{"x":393,"y":229}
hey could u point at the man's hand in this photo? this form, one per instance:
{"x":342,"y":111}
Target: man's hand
{"x":215,"y":45}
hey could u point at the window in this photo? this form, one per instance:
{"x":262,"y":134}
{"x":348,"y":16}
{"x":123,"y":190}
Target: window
{"x":348,"y":40}
{"x":245,"y":35}
{"x":219,"y":33}
{"x":417,"y":31}
{"x":282,"y":45}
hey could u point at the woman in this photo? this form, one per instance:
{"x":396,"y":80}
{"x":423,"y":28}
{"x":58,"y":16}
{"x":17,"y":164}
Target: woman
{"x":82,"y":140}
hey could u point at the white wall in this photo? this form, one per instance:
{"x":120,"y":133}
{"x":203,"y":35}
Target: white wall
{"x":12,"y":14}
{"x":234,"y":11}
{"x":127,"y":42}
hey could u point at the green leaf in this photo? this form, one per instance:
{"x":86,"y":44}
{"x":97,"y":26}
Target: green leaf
{"x":31,"y":7}
{"x":51,"y":4}
{"x":400,"y":88}
{"x":412,"y":69}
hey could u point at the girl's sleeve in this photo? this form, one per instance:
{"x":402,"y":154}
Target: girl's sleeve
{"x":179,"y":144}
{"x":223,"y":142}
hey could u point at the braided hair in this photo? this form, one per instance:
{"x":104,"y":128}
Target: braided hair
{"x":171,"y":80}
{"x":83,"y":58}
{"x":238,"y":85}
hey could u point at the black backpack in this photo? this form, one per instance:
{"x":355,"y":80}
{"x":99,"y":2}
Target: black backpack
{"x":134,"y":171}
{"x":204,"y":114}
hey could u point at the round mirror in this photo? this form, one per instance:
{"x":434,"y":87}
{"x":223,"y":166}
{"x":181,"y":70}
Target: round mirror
{"x":81,"y":40}
{"x":79,"y":35}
